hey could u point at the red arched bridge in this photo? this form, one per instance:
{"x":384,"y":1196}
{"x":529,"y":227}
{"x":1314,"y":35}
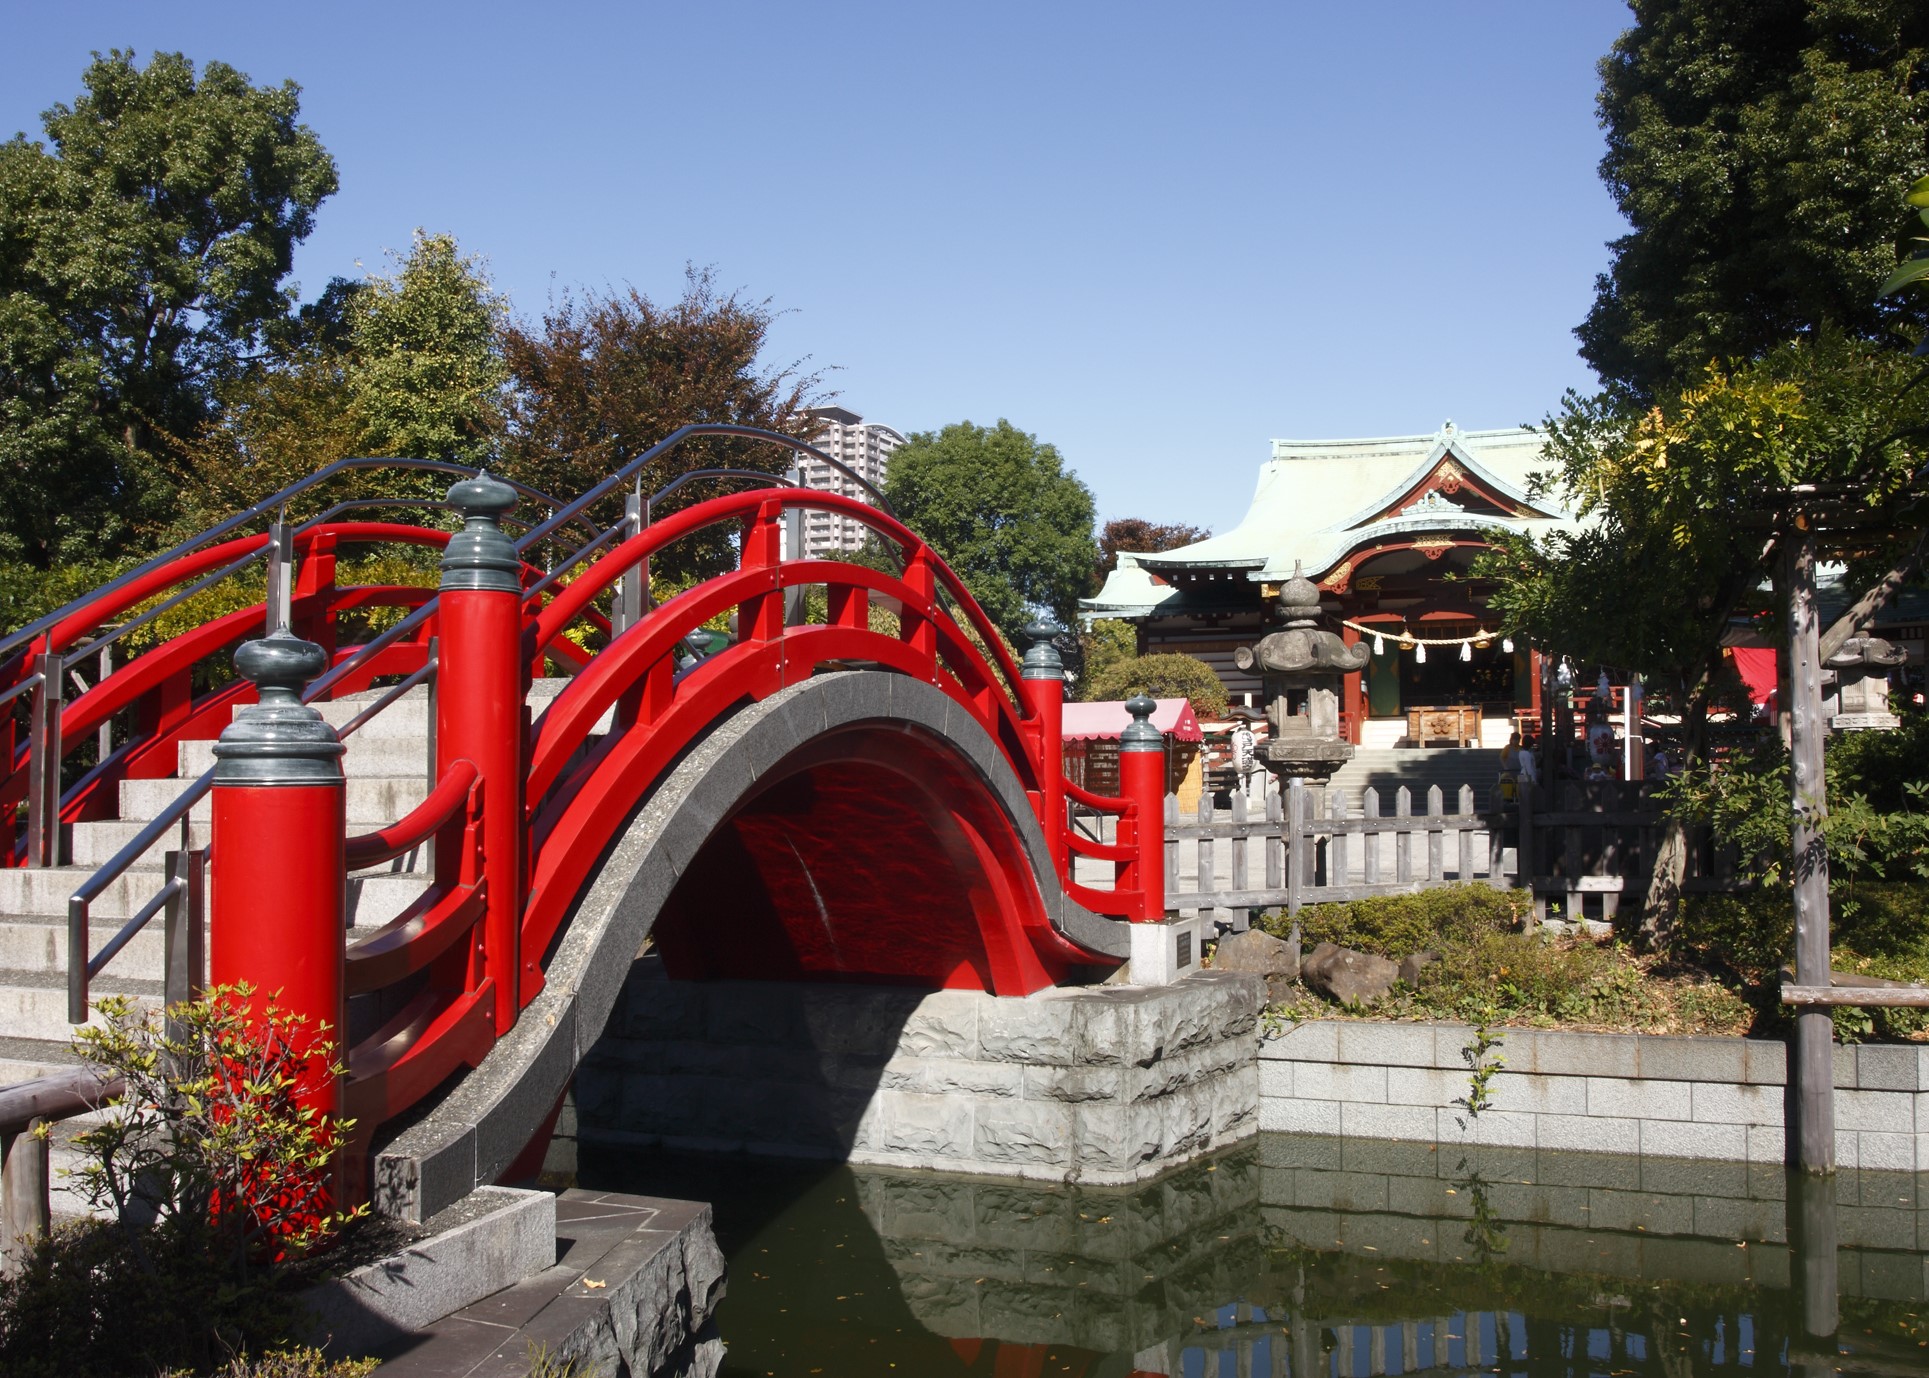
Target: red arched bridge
{"x":857,"y":783}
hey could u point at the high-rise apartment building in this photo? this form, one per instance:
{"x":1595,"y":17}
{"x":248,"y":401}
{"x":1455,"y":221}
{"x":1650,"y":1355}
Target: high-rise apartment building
{"x":866,"y":448}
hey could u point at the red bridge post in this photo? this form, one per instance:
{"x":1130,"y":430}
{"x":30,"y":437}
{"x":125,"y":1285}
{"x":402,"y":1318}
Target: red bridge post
{"x":1142,"y":780}
{"x":1043,"y":674}
{"x":276,"y":892}
{"x":482,"y":679}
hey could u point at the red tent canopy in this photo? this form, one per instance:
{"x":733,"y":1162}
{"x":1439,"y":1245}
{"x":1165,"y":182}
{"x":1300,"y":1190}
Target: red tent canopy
{"x":1756,"y":666}
{"x":1093,"y":722}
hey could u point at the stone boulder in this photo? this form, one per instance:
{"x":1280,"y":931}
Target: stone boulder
{"x":1259,"y":953}
{"x":1349,"y":977}
{"x":1418,"y":962}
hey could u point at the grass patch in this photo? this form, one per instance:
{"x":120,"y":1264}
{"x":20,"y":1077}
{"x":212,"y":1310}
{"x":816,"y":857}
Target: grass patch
{"x":1490,"y":971}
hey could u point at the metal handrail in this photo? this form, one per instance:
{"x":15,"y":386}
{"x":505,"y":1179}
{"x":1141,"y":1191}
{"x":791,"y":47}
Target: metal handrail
{"x":80,"y":903}
{"x":438,"y":504}
{"x":368,"y":650}
{"x":206,"y":581}
{"x":33,"y":681}
{"x":425,"y":673}
{"x":670,"y":442}
{"x":575,"y":558}
{"x":80,"y":968}
{"x":23,"y":635}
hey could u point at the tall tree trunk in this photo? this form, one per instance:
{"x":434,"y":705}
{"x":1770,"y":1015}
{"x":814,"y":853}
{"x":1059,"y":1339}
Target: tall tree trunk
{"x":1661,"y":906}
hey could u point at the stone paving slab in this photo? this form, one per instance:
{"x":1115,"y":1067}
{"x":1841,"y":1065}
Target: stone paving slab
{"x":635,"y":1283}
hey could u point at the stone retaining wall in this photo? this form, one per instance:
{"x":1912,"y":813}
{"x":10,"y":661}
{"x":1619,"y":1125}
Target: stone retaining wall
{"x":1639,"y":1219}
{"x":1638,"y":1094}
{"x":1097,"y":1084}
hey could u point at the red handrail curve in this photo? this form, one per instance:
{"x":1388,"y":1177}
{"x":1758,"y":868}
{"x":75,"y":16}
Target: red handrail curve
{"x":610,"y":566}
{"x":418,"y":825}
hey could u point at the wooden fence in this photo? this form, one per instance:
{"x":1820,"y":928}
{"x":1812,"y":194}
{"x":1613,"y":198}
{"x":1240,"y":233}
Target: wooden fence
{"x":1572,"y":844}
{"x":1311,"y":848}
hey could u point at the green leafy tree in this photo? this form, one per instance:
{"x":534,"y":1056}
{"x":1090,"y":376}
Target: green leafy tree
{"x":1163,"y":676}
{"x":1001,"y":509}
{"x":1685,"y":502}
{"x":425,"y":356}
{"x":407,"y":363}
{"x":1757,"y":149}
{"x":1104,"y":643}
{"x":143,"y":254}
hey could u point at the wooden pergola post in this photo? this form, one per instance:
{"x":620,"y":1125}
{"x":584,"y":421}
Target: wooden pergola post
{"x":1811,"y":1065}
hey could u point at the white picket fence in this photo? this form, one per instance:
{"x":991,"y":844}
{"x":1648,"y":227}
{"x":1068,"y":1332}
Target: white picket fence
{"x":1285,"y":851}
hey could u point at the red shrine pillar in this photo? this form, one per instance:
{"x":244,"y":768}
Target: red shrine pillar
{"x":1043,"y":677}
{"x":1142,"y":780}
{"x":479,"y":714}
{"x":277,"y":888}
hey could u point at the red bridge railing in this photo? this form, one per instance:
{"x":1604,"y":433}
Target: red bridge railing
{"x":519,"y":812}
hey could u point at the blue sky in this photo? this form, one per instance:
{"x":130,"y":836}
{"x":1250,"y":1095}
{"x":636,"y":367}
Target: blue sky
{"x":1155,"y":235}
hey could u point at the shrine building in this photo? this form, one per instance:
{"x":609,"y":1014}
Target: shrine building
{"x":1387,"y":528}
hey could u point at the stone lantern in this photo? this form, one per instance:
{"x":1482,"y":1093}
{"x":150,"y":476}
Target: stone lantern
{"x":1861,"y":697}
{"x":1303,"y":668}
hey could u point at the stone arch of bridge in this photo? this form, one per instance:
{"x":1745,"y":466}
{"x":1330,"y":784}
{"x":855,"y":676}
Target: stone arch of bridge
{"x":872,"y":759}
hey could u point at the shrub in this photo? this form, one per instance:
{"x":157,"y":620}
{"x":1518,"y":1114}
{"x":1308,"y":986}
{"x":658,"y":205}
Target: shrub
{"x":216,"y":1178}
{"x":210,"y":1131}
{"x":1395,"y":925}
{"x":294,"y":1363}
{"x":1163,"y":677}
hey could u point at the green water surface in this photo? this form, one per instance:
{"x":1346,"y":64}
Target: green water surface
{"x":1299,"y":1256}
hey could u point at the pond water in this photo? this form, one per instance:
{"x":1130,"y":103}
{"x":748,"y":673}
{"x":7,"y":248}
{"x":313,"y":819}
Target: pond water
{"x":1302,"y":1256}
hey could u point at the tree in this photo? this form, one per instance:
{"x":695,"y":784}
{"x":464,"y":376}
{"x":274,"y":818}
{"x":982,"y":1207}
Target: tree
{"x":603,"y":378}
{"x":1723,"y":117}
{"x":1163,"y":676}
{"x":142,"y":259}
{"x":1104,"y":642}
{"x":1686,"y":501}
{"x":1139,"y":536}
{"x":425,"y":347}
{"x":407,"y":363}
{"x":1002,"y":511}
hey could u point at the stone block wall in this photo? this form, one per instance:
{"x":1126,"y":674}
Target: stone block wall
{"x":1718,"y":1223}
{"x":1656,"y":1096}
{"x":1096,"y":1084}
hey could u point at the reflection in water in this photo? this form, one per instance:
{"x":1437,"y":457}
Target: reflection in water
{"x":1304,"y":1256}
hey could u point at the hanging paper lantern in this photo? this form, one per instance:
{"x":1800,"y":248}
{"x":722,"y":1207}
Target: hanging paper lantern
{"x":1379,"y":644}
{"x":1420,"y":654}
{"x":1466,"y":650}
{"x":1507,"y":644}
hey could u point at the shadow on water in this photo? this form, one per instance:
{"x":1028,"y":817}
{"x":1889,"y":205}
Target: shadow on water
{"x":1306,"y":1256}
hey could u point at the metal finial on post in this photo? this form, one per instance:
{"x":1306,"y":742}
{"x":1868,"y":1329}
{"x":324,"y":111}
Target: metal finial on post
{"x":480,"y":556}
{"x":1140,"y":734}
{"x":280,"y":740}
{"x":1041,"y":660}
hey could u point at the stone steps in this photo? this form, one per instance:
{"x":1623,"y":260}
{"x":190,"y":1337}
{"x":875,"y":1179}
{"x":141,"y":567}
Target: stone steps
{"x":1386,"y":770}
{"x":387,"y":768}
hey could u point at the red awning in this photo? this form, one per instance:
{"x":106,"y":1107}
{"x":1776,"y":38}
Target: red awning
{"x":1096,"y":722}
{"x":1756,"y":666}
